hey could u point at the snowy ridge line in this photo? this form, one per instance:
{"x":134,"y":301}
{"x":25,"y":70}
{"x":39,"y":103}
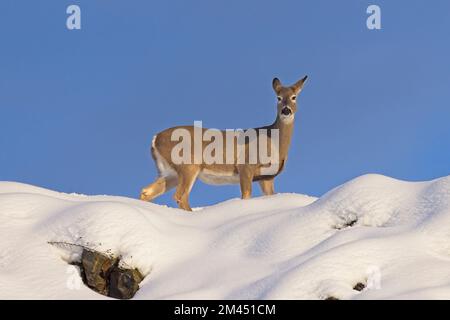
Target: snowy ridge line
{"x":286,"y":246}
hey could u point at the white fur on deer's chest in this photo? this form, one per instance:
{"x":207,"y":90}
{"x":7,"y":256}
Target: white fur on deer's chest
{"x":215,"y":177}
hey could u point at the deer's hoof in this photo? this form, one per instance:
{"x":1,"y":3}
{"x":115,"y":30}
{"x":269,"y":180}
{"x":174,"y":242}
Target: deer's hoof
{"x":144,"y":196}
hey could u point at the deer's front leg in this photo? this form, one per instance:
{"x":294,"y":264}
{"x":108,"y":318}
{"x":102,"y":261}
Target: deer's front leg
{"x":245,"y":179}
{"x":267,"y":187}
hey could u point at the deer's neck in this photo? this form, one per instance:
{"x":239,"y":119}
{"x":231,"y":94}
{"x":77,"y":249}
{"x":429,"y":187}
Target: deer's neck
{"x":285,"y":133}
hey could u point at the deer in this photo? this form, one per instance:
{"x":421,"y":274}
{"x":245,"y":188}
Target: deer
{"x":173,"y":174}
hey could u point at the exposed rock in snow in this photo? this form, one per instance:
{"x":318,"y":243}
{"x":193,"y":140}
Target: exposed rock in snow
{"x":373,"y":237}
{"x":101,"y":273}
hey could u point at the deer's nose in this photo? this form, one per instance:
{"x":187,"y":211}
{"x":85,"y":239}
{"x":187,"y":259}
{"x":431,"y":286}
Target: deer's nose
{"x":286,"y":111}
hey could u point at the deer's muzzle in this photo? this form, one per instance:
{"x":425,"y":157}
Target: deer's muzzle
{"x":286,"y":111}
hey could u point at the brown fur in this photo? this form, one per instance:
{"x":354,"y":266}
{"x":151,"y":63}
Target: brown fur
{"x":183,"y":176}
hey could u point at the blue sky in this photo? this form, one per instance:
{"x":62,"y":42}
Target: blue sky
{"x":78,"y":108}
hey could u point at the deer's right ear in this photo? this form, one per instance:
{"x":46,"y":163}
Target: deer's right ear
{"x":276,"y":84}
{"x":298,"y":86}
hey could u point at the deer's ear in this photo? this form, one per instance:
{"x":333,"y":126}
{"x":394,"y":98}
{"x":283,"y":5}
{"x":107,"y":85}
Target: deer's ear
{"x":276,"y":84}
{"x":298,"y":86}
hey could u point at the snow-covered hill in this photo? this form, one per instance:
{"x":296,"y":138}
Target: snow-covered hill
{"x":392,"y":236}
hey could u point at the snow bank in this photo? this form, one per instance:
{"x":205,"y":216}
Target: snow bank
{"x":390,"y":235}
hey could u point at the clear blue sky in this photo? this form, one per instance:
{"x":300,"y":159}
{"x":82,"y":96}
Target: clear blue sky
{"x":78,"y":108}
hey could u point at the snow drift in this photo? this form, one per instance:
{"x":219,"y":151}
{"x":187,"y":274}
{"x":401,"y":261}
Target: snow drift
{"x":392,"y":236}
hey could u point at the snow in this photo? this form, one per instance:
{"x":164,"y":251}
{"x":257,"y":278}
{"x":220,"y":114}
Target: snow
{"x":393,"y":236}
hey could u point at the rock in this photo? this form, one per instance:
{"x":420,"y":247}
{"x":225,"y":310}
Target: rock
{"x":102,"y":274}
{"x":359,"y":286}
{"x":124,"y":283}
{"x":347,"y":224}
{"x":96,"y":268}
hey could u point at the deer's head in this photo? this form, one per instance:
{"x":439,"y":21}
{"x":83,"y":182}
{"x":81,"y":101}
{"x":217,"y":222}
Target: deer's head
{"x":287,"y":98}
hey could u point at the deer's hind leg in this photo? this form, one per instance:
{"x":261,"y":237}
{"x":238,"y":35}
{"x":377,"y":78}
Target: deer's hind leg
{"x":157,"y":188}
{"x":186,"y":178}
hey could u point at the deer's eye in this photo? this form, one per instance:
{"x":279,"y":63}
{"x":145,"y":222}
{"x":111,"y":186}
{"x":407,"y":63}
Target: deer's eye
{"x":279,"y":98}
{"x":293,"y":98}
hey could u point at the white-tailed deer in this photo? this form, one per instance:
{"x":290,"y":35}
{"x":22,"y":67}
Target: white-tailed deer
{"x":229,"y":166}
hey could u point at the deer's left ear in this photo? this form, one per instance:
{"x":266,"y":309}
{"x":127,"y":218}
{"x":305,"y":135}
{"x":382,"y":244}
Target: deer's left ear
{"x":298,"y":86}
{"x":276,"y":84}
